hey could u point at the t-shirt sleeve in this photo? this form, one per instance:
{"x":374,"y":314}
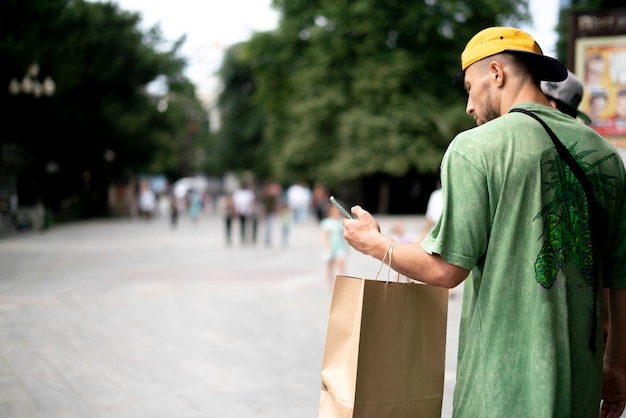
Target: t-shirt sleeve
{"x":462,"y":233}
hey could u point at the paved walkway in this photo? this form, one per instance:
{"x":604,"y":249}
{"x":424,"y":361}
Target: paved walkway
{"x":128,"y":318}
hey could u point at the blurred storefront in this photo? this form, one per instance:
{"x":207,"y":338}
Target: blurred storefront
{"x":598,"y":55}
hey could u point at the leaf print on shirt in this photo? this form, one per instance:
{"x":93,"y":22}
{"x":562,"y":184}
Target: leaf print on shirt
{"x":566,"y":235}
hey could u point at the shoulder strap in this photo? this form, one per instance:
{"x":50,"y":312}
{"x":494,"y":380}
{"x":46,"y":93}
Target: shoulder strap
{"x":565,"y":156}
{"x":596,"y":215}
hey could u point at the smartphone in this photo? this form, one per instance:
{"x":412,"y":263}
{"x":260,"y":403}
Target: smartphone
{"x":341,"y":208}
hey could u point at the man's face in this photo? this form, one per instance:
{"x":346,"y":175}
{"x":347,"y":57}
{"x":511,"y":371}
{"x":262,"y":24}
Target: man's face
{"x":479,"y":85}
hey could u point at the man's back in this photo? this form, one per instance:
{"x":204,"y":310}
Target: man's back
{"x":528,"y":304}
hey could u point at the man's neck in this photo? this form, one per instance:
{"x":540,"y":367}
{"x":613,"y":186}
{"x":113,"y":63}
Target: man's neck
{"x":524,"y":92}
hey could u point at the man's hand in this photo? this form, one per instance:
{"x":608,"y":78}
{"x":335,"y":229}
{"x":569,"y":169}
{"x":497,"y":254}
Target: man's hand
{"x":363,"y":234}
{"x":613,"y":391}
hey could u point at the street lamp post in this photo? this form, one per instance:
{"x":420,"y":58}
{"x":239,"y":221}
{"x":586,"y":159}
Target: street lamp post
{"x":29,"y":85}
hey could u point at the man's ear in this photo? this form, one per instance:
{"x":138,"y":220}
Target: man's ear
{"x":497,"y":72}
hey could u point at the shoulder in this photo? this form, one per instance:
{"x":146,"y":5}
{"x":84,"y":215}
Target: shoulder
{"x":503,"y":131}
{"x":494,"y":130}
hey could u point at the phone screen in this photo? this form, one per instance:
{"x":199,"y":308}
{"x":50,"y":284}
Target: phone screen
{"x":342,"y":208}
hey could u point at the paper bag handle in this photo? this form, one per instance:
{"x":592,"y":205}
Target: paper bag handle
{"x":389,"y":253}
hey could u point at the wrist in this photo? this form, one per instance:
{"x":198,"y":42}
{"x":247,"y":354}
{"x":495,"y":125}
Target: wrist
{"x":382,"y":247}
{"x":614,"y":364}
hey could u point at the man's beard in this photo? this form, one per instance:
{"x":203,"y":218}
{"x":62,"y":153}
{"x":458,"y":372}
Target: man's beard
{"x":490,"y":112}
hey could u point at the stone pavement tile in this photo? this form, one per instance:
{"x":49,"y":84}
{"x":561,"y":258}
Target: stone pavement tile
{"x":49,"y":392}
{"x":25,"y":362}
{"x":97,"y":391}
{"x":19,"y":409}
{"x":130,"y":410}
{"x":11,"y":391}
{"x":170,"y":406}
{"x":215,"y":406}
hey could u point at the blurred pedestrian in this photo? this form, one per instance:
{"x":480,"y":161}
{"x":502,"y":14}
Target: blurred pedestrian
{"x":271,"y":207}
{"x":227,"y":208}
{"x":244,"y":202}
{"x":566,"y":96}
{"x":299,"y":201}
{"x":433,"y":211}
{"x":196,"y":205}
{"x":285,"y":223}
{"x":334,"y":246}
{"x":147,"y":201}
{"x":320,"y":201}
{"x":173,"y":210}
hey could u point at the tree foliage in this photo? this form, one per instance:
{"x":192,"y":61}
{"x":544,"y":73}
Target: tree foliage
{"x":101,"y":124}
{"x":359,"y":87}
{"x":239,"y":144}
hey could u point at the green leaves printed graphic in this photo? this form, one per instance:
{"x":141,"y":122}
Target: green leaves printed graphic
{"x":567,"y":238}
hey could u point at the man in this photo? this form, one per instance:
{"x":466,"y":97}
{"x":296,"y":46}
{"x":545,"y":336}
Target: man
{"x":566,"y":96}
{"x":514,"y":224}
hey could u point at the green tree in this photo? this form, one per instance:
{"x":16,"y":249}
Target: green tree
{"x":355,"y":88}
{"x":183,"y":138}
{"x":101,"y":124}
{"x":239,"y":144}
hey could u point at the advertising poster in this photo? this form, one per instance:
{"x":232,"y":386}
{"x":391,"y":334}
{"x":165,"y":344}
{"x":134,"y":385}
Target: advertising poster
{"x":601,"y":65}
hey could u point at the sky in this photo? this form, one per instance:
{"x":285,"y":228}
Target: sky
{"x":212,"y":26}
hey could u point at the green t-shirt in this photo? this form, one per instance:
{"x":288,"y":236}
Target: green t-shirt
{"x":515,"y":215}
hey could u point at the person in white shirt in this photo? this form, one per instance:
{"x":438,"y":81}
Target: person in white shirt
{"x":433,"y":211}
{"x":243,"y":200}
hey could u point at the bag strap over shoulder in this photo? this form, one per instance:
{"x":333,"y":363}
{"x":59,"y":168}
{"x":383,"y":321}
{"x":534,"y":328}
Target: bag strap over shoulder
{"x":565,"y":156}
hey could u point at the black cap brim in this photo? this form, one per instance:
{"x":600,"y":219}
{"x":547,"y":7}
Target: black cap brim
{"x":545,"y":67}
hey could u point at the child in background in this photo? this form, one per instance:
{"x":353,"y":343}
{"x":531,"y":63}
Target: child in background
{"x":285,"y":221}
{"x":334,"y":245}
{"x":398,"y":233}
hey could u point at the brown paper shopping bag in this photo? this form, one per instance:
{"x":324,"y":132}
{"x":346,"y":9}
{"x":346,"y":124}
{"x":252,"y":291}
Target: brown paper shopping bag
{"x":385,"y":350}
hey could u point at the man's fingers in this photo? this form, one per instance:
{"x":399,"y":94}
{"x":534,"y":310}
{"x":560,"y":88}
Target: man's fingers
{"x":612,"y":409}
{"x":358,"y":211}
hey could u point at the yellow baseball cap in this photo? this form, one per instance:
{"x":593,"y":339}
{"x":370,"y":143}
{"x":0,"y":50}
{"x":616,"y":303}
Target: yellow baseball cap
{"x":494,"y":40}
